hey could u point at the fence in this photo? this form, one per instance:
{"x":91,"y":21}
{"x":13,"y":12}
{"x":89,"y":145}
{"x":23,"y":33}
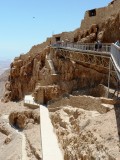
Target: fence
{"x":106,"y":47}
{"x":115,"y":55}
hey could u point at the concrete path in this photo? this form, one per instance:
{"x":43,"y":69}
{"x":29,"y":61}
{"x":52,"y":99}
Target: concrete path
{"x":50,"y":147}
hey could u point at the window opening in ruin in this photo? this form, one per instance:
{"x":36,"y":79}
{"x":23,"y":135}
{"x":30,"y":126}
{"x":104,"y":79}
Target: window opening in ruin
{"x":92,"y":12}
{"x":57,"y":39}
{"x":76,"y":39}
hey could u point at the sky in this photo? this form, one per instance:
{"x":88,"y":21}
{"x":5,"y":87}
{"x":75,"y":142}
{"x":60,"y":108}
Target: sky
{"x":24,"y":23}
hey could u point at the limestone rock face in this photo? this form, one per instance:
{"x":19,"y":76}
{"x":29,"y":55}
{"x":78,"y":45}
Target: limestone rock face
{"x":110,"y":29}
{"x":22,"y":120}
{"x":75,"y":75}
{"x":24,"y":73}
{"x":107,"y":31}
{"x":47,"y":74}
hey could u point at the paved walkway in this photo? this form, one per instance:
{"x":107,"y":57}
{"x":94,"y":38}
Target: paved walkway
{"x":50,"y":147}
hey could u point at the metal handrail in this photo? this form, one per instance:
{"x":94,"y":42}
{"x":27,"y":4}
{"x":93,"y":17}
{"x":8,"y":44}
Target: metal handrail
{"x":115,"y":55}
{"x":106,"y":47}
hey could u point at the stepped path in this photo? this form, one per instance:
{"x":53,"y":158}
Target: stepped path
{"x":49,"y":64}
{"x":50,"y":147}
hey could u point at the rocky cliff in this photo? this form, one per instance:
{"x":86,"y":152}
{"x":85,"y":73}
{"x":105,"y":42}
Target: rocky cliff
{"x":49,"y":77}
{"x":107,"y":31}
{"x":87,"y":128}
{"x":24,"y":73}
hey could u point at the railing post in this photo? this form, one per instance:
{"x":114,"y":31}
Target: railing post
{"x":109,"y":78}
{"x":105,"y":48}
{"x":41,"y":136}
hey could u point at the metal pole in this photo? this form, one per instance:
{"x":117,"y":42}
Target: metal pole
{"x":109,"y":78}
{"x":41,"y":137}
{"x":117,"y":88}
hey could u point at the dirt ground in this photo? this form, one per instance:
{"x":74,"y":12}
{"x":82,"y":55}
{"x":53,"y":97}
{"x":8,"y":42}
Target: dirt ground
{"x":18,"y":144}
{"x":84,"y":133}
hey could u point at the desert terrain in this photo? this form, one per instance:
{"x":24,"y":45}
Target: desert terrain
{"x":73,"y":87}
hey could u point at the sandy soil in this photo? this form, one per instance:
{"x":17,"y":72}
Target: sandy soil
{"x":87,"y":134}
{"x":15,"y":144}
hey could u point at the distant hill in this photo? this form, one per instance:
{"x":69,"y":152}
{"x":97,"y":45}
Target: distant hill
{"x":4,"y":65}
{"x":3,"y":80}
{"x":4,"y":72}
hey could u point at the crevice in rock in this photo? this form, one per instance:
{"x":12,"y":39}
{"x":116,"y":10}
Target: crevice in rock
{"x":32,"y":151}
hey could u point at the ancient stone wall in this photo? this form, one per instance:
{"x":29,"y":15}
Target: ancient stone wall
{"x":84,"y":102}
{"x":101,"y":15}
{"x":64,"y":36}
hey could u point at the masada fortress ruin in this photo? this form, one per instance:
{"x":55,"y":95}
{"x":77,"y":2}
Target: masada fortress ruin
{"x":75,"y":86}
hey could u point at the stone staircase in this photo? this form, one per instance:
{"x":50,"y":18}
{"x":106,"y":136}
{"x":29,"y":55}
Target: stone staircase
{"x":48,"y":82}
{"x":49,"y":64}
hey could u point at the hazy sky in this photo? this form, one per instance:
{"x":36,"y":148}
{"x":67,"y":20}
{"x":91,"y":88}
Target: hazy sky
{"x":24,"y":23}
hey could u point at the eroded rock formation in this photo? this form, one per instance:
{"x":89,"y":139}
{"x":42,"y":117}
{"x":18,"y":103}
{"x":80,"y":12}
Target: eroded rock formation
{"x":80,"y":125}
{"x":107,"y":31}
{"x":24,"y":74}
{"x":48,"y":76}
{"x":23,"y":120}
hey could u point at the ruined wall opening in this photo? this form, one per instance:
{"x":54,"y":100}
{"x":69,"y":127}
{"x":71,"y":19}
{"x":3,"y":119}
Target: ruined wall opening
{"x":76,"y":39}
{"x":57,"y":39}
{"x":92,"y":13}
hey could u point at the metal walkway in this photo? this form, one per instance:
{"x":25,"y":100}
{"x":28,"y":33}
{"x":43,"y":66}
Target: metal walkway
{"x":107,"y":57}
